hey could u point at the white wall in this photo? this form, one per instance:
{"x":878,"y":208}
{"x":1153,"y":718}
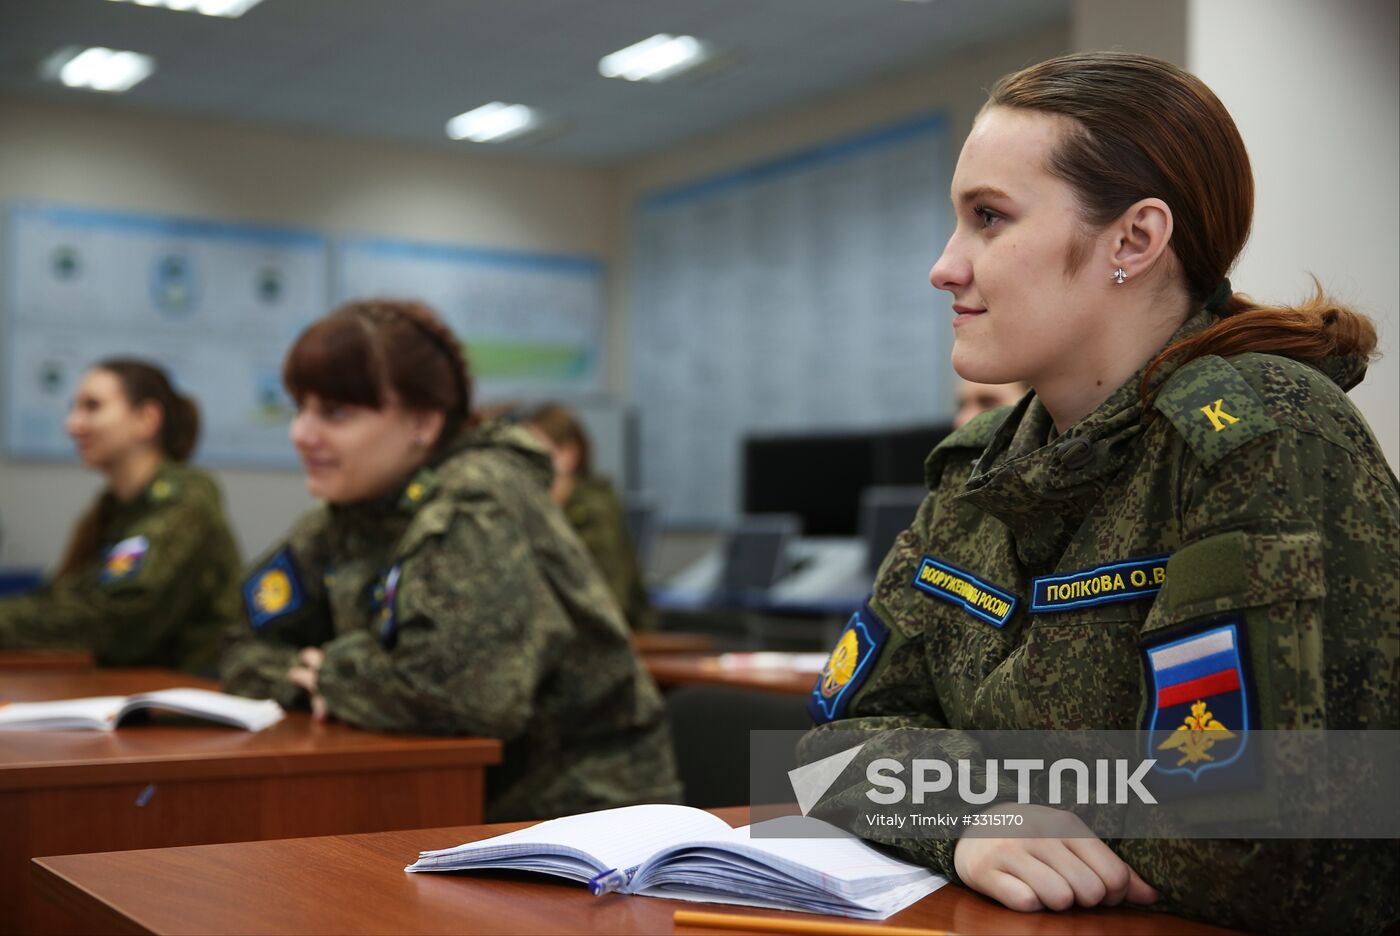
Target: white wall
{"x":1315,"y":90}
{"x":1147,"y":27}
{"x":99,"y":156}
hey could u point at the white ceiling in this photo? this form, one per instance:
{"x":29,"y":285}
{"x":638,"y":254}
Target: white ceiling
{"x":398,"y":69}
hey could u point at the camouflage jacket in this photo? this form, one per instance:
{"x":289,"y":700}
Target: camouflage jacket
{"x":596,"y":516}
{"x":1040,"y":570}
{"x":464,"y":604}
{"x":159,"y":593}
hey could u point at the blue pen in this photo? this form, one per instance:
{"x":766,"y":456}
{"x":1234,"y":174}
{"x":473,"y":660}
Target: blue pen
{"x":607,"y":882}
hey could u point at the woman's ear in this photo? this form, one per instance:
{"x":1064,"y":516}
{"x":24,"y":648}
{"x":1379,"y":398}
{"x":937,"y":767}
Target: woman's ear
{"x":1140,"y":236}
{"x":427,"y":427}
{"x":148,"y":418}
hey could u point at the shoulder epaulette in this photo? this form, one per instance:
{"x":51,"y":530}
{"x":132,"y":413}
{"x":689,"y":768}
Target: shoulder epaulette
{"x":162,"y":490}
{"x":974,"y":436}
{"x":1214,"y":408}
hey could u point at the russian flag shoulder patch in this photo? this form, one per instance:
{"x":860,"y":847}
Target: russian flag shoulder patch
{"x":1201,"y":701}
{"x":124,"y":560}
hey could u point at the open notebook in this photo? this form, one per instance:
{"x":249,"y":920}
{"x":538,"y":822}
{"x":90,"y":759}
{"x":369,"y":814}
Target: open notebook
{"x":104,"y":712}
{"x":688,"y":854}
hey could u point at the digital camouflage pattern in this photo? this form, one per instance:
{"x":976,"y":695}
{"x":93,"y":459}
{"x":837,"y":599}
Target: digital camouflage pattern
{"x":596,"y":515}
{"x":1265,"y":487}
{"x":464,"y":604}
{"x":161,"y":590}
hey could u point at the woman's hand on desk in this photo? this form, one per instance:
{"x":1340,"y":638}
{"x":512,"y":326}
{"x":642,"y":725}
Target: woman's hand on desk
{"x":305,"y":673}
{"x":1068,"y":866}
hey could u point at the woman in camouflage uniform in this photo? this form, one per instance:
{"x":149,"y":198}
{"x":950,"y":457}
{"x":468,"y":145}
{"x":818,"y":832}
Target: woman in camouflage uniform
{"x":151,"y":574}
{"x":436,"y":589}
{"x":1187,"y":505}
{"x":593,"y":510}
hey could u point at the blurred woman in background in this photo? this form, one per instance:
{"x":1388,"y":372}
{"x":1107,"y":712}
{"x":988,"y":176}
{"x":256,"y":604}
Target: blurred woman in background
{"x":974,"y":398}
{"x":151,"y":574}
{"x":593,"y":509}
{"x":437,"y":589}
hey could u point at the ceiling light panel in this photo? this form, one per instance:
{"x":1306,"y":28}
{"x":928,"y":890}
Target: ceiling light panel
{"x":493,"y":123}
{"x":98,"y":68}
{"x":655,"y":59}
{"x":225,"y":8}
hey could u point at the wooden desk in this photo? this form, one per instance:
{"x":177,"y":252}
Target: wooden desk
{"x":184,"y":782}
{"x":688,"y":669}
{"x":356,"y":884}
{"x":648,"y":642}
{"x":69,"y":660}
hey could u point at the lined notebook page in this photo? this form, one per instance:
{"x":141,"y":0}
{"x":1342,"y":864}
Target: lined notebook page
{"x":96,"y":712}
{"x":617,"y":838}
{"x":253,"y":714}
{"x":847,"y":865}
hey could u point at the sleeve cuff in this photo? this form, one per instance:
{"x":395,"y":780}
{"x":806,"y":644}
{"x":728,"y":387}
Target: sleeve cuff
{"x":941,"y":858}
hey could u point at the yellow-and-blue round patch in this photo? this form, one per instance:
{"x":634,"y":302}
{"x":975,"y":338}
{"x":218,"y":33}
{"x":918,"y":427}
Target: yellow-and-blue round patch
{"x":273,"y":590}
{"x":847,"y":667}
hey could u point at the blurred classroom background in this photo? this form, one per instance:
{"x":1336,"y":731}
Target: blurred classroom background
{"x":724,"y":271}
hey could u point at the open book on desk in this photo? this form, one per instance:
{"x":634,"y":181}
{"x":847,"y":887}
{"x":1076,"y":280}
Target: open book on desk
{"x":688,"y":854}
{"x":105,"y":712}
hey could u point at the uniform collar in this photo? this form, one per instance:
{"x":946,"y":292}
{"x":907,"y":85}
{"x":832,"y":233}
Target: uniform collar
{"x":1042,"y":486}
{"x":404,"y":500}
{"x":419,"y":489}
{"x":161,"y":488}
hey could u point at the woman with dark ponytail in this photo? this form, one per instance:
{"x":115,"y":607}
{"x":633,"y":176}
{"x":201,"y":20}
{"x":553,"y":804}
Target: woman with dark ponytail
{"x":437,"y":589}
{"x":1185,"y":527}
{"x":150,"y":577}
{"x":593,"y":509}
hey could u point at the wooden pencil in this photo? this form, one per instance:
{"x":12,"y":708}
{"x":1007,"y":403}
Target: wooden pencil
{"x":762,"y":924}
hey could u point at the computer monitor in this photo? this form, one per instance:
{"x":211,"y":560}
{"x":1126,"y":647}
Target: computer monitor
{"x":755,"y":553}
{"x":817,"y":477}
{"x":885,"y":512}
{"x":820,"y":477}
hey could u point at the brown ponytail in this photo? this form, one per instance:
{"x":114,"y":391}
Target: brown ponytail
{"x":1311,"y":332}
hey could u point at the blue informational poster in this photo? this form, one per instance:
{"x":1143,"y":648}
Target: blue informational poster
{"x":532,"y":322}
{"x":216,"y":303}
{"x":792,"y":295}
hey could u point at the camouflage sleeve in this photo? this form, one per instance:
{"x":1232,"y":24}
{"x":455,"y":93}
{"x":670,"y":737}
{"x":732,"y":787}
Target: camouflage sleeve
{"x":21,"y":617}
{"x":284,"y":609}
{"x":1291,"y":536}
{"x":472,"y":628}
{"x":895,"y":697}
{"x":256,"y":668}
{"x":126,"y":605}
{"x":599,"y":525}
